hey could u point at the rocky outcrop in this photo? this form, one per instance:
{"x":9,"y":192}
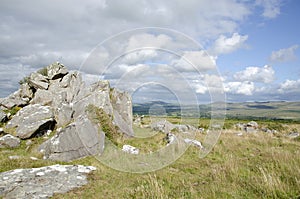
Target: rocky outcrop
{"x":9,"y":141}
{"x":32,"y":120}
{"x":53,"y":98}
{"x":42,"y":182}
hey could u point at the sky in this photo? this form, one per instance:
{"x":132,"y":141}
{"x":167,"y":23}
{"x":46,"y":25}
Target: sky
{"x":195,"y":50}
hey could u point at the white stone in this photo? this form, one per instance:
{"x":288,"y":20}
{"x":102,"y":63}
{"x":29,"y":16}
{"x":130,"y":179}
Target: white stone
{"x":130,"y":149}
{"x":40,"y":174}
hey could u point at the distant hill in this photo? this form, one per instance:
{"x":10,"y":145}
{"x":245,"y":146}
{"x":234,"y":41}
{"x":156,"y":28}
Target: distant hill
{"x":279,"y":110}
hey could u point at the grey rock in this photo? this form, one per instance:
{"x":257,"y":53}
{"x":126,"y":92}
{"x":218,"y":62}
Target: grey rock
{"x":42,"y":182}
{"x":97,"y":94}
{"x":14,"y":157}
{"x":32,"y":120}
{"x":15,"y":99}
{"x":122,"y":111}
{"x":43,"y":97}
{"x":185,"y":128}
{"x":130,"y":149}
{"x":193,"y":142}
{"x":56,"y":70}
{"x":29,"y":142}
{"x":293,"y":135}
{"x":162,"y":126}
{"x":25,"y":91}
{"x":64,"y":114}
{"x":9,"y":141}
{"x":38,"y":81}
{"x":121,"y":123}
{"x":77,"y":140}
{"x":250,"y":129}
{"x":3,"y":116}
{"x":170,"y":138}
{"x":20,"y":97}
{"x":252,"y":124}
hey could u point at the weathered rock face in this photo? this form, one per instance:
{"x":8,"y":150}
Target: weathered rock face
{"x":9,"y":141}
{"x":122,"y":106}
{"x":77,"y":140}
{"x":42,"y":182}
{"x":32,"y":119}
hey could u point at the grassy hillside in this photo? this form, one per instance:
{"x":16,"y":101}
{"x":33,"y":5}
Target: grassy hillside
{"x":255,"y":165}
{"x":247,"y":110}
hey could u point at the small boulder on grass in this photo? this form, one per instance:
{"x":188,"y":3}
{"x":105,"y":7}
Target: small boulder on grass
{"x":9,"y":141}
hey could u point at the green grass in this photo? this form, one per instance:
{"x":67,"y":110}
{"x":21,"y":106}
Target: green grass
{"x":255,"y":165}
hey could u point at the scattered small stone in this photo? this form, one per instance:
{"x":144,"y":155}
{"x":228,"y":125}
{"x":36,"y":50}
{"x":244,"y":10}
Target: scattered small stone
{"x":28,"y":142}
{"x":194,"y":142}
{"x":293,"y":135}
{"x":48,"y":132}
{"x":33,"y":158}
{"x":170,"y":138}
{"x":130,"y":149}
{"x":14,"y":157}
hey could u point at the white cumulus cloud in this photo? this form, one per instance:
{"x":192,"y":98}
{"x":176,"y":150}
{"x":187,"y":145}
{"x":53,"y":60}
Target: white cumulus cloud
{"x":256,"y":74}
{"x":290,"y":86}
{"x":284,"y":54}
{"x":224,"y":45}
{"x":244,"y":88}
{"x":195,"y":61}
{"x":271,"y":8}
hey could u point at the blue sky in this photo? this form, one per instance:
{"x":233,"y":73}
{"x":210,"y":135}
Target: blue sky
{"x":254,"y":44}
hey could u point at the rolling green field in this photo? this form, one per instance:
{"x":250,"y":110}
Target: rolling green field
{"x":254,"y":165}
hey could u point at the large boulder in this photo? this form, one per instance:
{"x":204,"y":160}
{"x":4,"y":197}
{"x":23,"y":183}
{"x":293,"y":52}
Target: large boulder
{"x":79,"y":139}
{"x":42,"y":182}
{"x":32,"y":120}
{"x":9,"y":141}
